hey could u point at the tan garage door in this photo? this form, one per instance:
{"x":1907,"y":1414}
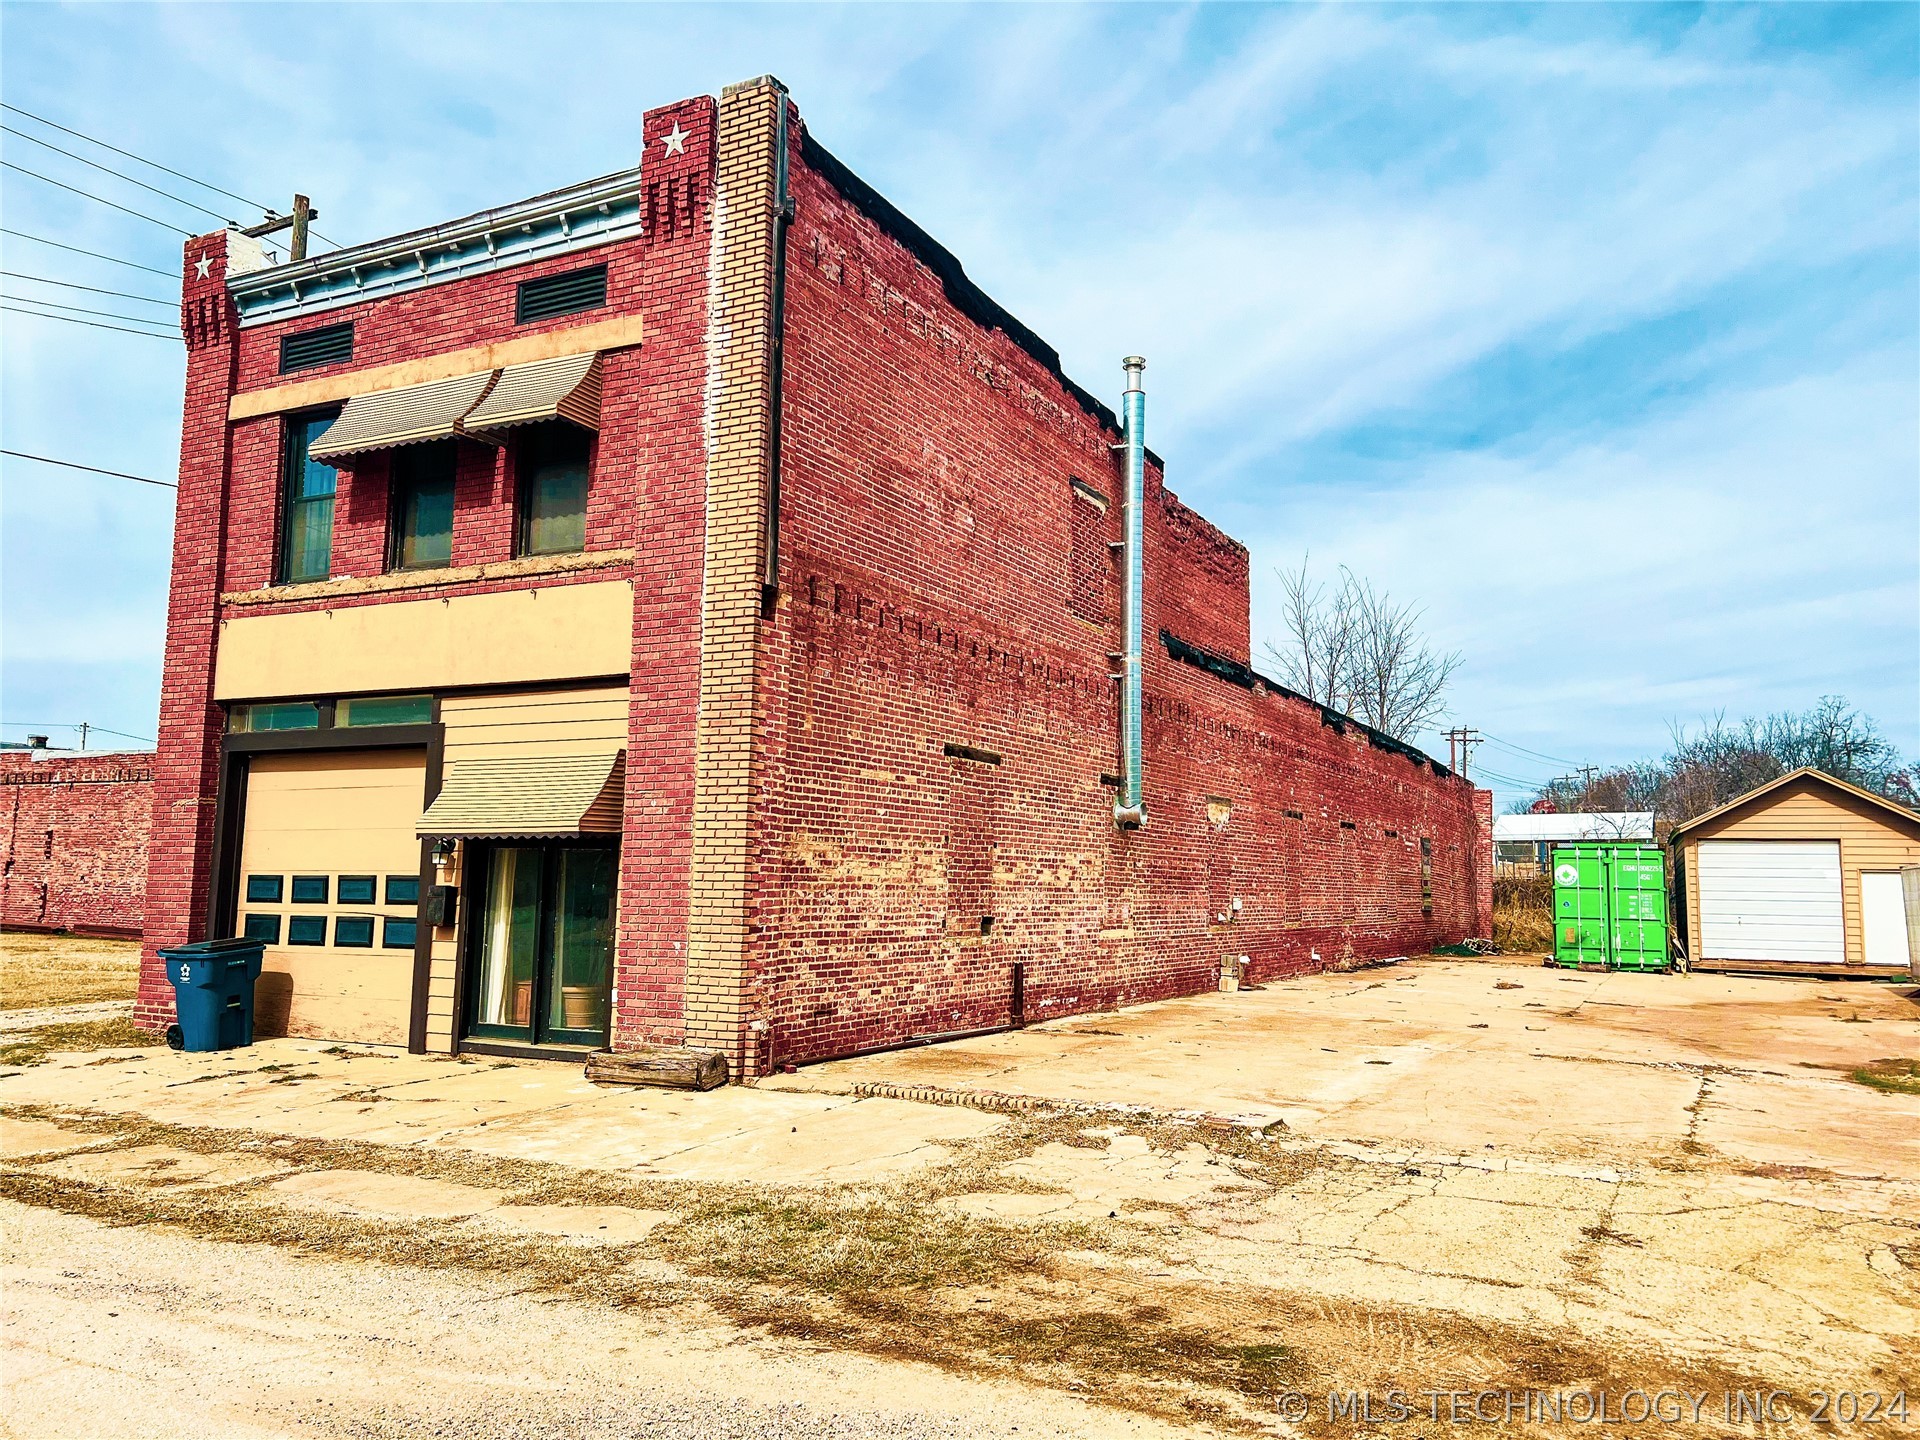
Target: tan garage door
{"x":329,"y":876}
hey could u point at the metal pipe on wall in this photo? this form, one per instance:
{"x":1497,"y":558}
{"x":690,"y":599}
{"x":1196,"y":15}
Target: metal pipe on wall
{"x":1130,"y":809}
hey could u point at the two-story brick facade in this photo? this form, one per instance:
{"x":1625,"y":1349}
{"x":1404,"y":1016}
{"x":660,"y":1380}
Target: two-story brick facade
{"x":684,"y":609}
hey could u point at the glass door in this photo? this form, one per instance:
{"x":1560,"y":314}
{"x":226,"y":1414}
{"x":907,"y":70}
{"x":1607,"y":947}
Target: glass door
{"x":545,"y":950}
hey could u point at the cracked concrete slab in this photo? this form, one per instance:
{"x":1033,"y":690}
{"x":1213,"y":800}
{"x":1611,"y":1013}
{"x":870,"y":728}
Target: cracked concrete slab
{"x":379,"y":1193}
{"x":596,"y":1224}
{"x":165,"y":1165}
{"x":20,"y":1138}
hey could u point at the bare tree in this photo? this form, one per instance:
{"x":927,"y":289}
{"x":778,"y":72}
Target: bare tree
{"x":1720,"y":760}
{"x":1314,"y":660}
{"x":1356,"y":650}
{"x":1399,"y":681}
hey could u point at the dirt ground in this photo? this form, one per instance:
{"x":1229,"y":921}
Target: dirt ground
{"x":1233,"y":1213}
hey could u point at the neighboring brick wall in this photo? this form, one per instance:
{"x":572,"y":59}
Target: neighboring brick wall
{"x":76,"y":842}
{"x":935,"y":563}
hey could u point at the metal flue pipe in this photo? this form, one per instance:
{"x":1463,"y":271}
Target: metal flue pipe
{"x":1130,"y":808}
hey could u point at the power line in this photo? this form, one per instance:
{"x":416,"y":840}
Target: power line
{"x":92,"y":140}
{"x":119,"y":175}
{"x":1536,"y":754}
{"x":73,"y":285}
{"x":69,"y":725}
{"x":82,"y":310}
{"x":68,"y":319}
{"x":70,"y":465}
{"x":95,"y":254}
{"x":9,"y":165}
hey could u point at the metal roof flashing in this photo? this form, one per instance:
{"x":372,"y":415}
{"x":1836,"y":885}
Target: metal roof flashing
{"x":578,"y":217}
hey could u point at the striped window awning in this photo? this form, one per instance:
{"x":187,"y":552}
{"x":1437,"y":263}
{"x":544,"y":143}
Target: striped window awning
{"x":566,"y":387}
{"x":409,"y":416}
{"x":529,"y":796}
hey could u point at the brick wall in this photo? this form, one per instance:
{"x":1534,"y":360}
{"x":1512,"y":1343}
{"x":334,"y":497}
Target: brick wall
{"x":946,"y":586}
{"x":850,"y":813}
{"x":186,"y":765}
{"x":645,"y":506}
{"x":76,"y":842}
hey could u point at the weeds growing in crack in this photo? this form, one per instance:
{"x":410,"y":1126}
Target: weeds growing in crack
{"x":33,"y":1047}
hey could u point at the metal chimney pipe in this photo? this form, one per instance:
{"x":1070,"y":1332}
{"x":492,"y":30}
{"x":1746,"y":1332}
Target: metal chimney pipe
{"x":1130,"y":808}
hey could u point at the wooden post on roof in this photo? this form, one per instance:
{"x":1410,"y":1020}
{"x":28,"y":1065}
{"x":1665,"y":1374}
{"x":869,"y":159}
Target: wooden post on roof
{"x":298,"y":222}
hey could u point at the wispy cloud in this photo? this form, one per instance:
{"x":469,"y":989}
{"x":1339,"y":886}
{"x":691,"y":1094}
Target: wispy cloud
{"x":1544,"y":317}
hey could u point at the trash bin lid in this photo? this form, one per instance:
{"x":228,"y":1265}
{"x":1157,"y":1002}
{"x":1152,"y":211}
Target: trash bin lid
{"x":233,"y":947}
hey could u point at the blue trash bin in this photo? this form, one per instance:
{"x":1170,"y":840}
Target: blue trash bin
{"x":213,"y":992}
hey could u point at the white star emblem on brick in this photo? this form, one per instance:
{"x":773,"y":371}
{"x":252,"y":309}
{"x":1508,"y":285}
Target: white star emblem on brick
{"x":675,"y":140}
{"x":203,"y":267}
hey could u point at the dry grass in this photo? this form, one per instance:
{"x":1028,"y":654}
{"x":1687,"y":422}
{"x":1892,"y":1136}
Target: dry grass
{"x":32,"y":1047}
{"x":1523,"y":912}
{"x":38,"y":970}
{"x":1896,"y":1077}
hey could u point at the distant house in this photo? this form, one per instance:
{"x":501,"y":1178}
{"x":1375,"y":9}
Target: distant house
{"x":1801,"y":875}
{"x":1522,"y":842}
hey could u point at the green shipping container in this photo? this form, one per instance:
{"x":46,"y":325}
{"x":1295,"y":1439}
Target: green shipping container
{"x":1609,"y":907}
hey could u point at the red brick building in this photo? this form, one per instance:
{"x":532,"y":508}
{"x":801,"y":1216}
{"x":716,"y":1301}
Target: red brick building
{"x":76,"y":841}
{"x":683,"y":608}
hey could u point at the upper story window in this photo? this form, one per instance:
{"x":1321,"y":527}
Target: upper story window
{"x":422,"y":513}
{"x":306,"y":512}
{"x":327,"y":346}
{"x":566,"y":294}
{"x":554,"y":465}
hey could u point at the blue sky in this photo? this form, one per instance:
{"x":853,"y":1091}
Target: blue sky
{"x":1595,"y":330}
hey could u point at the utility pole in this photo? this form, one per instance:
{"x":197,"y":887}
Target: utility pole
{"x":1460,"y":743}
{"x":297,"y":222}
{"x":83,"y":727}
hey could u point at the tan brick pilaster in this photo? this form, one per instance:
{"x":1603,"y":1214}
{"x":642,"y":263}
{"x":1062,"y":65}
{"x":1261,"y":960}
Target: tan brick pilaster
{"x":739,"y":470}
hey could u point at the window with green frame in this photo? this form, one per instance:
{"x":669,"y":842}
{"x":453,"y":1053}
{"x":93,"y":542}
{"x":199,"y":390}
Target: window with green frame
{"x":422,"y":513}
{"x":384,"y":710}
{"x":285,"y":715}
{"x":555,"y":470}
{"x":306,"y":510}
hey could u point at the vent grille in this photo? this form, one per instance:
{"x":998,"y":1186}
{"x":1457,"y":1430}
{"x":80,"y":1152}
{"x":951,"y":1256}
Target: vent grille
{"x":566,"y":294}
{"x":316,"y":347}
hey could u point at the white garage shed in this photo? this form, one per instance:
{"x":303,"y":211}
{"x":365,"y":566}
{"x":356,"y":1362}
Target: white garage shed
{"x":1801,"y":875}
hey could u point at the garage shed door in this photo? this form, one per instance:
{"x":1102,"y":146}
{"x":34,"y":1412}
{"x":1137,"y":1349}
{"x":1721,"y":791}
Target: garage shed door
{"x":329,"y":878}
{"x":1771,"y":900}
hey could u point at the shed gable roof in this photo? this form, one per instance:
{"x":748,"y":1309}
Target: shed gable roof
{"x":1805,"y":776}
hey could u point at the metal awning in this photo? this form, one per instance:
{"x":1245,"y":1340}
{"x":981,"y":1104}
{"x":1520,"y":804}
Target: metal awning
{"x":433,"y":411}
{"x":536,"y":795}
{"x":566,"y":387}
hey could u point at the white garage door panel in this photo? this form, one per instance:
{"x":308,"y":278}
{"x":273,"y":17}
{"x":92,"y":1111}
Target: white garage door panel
{"x":1771,"y":900}
{"x":1883,"y":918}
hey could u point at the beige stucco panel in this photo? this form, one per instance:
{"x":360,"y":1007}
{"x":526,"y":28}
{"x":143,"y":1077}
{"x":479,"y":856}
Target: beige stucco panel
{"x":562,"y":632}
